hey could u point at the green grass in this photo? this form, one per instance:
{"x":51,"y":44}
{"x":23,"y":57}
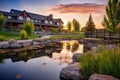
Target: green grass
{"x":71,"y":36}
{"x":107,"y":62}
{"x":4,"y":36}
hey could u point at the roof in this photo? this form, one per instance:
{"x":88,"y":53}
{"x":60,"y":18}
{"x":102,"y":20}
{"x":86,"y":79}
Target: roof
{"x":6,"y":13}
{"x":14,"y":12}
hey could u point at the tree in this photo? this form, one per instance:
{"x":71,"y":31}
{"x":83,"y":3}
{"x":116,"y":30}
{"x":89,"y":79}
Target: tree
{"x":69,"y":26}
{"x":2,"y":20}
{"x":112,"y":18}
{"x":29,"y":27}
{"x":76,"y":25}
{"x":90,"y":26}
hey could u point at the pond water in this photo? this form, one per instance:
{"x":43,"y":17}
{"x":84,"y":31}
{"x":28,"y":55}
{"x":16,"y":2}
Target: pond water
{"x":42,"y":64}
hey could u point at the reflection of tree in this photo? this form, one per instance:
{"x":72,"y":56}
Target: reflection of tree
{"x":2,"y":57}
{"x":74,"y":46}
{"x":68,"y":46}
{"x":71,"y":46}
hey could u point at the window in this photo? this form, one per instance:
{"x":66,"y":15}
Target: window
{"x":28,"y":19}
{"x":9,"y":17}
{"x":46,"y":22}
{"x":36,"y":20}
{"x":51,"y":22}
{"x":20,"y":17}
{"x":58,"y":23}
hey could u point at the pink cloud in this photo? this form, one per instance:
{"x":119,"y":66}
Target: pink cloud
{"x":78,"y":8}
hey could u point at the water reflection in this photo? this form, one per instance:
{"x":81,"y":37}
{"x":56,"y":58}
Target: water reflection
{"x":38,"y":64}
{"x":69,"y":48}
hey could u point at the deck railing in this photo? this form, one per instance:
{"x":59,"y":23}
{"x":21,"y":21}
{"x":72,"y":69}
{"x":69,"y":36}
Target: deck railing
{"x":103,"y":34}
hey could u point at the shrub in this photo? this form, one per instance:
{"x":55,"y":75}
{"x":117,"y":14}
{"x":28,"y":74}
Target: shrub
{"x":107,"y":62}
{"x":23,"y":34}
{"x":28,"y":27}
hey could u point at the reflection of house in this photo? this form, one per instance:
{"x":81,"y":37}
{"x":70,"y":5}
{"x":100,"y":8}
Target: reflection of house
{"x":15,"y":19}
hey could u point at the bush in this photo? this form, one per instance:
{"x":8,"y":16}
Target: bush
{"x":23,"y":34}
{"x":107,"y":62}
{"x":28,"y":27}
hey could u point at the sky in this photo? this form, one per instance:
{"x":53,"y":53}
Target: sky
{"x":64,"y":9}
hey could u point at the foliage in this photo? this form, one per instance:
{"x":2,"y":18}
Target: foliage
{"x":105,"y":62}
{"x":90,"y":26}
{"x":10,"y":35}
{"x":54,"y":30}
{"x":69,"y":26}
{"x":76,"y":25}
{"x":23,"y":34}
{"x":29,"y":27}
{"x":2,"y":20}
{"x":67,"y":36}
{"x":112,"y":19}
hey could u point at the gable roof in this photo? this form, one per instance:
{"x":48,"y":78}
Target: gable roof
{"x":14,"y":12}
{"x":6,"y":13}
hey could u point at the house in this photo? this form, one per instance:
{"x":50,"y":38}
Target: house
{"x":16,"y":18}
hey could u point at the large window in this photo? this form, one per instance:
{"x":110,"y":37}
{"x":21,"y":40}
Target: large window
{"x":28,"y":19}
{"x":51,"y":22}
{"x":20,"y":17}
{"x":46,"y":21}
{"x":9,"y":17}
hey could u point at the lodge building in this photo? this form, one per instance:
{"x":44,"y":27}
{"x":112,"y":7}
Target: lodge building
{"x":16,"y":18}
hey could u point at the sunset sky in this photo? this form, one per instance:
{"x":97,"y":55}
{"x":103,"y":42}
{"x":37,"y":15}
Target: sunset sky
{"x":65,"y":9}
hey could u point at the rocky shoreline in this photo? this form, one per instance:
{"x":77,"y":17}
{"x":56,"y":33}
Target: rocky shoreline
{"x":73,"y":70}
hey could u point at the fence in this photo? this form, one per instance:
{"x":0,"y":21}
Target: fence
{"x":106,"y":35}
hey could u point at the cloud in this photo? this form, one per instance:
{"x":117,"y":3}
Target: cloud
{"x":84,"y":8}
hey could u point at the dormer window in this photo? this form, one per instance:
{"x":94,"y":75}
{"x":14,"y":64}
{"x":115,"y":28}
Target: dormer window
{"x":9,"y":17}
{"x":46,"y":21}
{"x":20,"y":17}
{"x":28,"y":19}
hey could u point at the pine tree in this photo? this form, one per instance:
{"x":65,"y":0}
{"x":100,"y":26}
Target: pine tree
{"x":112,"y":19}
{"x":90,"y":26}
{"x":69,"y":26}
{"x":76,"y":25}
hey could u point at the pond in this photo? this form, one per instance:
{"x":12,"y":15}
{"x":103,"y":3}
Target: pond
{"x":41,"y":64}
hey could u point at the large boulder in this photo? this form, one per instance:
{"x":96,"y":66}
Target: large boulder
{"x":71,"y":72}
{"x":14,"y":46}
{"x":5,"y":46}
{"x":11,"y":41}
{"x":76,"y":57}
{"x":102,"y":77}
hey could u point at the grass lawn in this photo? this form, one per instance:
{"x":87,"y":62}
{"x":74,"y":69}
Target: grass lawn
{"x":71,"y":36}
{"x":4,"y":36}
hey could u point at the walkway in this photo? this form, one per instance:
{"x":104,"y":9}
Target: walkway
{"x":27,"y":41}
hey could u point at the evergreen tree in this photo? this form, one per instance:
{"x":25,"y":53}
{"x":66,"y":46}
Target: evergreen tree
{"x":69,"y":26}
{"x":112,"y":19}
{"x":76,"y":25}
{"x":90,"y":26}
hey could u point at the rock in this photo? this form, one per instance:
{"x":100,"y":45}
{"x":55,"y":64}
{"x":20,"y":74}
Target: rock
{"x":26,"y":44}
{"x":76,"y":57}
{"x":35,"y":43}
{"x":96,"y":48}
{"x":90,"y":45}
{"x":14,"y":46}
{"x":11,"y":41}
{"x":102,"y":77}
{"x":110,"y":46}
{"x":5,"y":46}
{"x":71,"y":72}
